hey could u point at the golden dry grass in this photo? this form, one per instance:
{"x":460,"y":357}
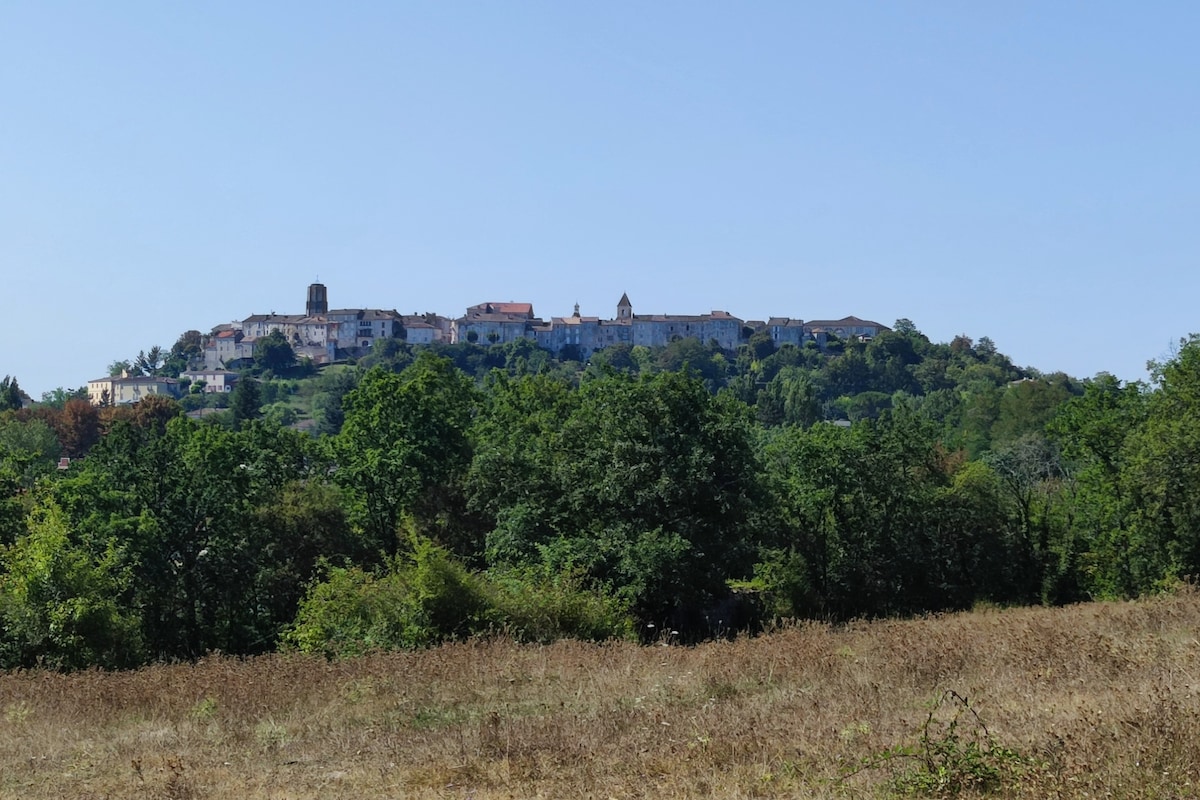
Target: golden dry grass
{"x":1100,"y":698}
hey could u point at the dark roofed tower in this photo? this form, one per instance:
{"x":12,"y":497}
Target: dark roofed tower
{"x":318,"y":301}
{"x":624,"y":308}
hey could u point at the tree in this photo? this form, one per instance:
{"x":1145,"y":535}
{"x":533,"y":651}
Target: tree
{"x":149,"y":362}
{"x":651,"y":491}
{"x":10,"y":394}
{"x":60,"y":604}
{"x":1026,"y":406}
{"x":789,"y":398}
{"x":761,"y":345}
{"x":865,"y":521}
{"x":1030,"y":471}
{"x":59,"y":397}
{"x":1162,"y":473}
{"x":188,"y":348}
{"x":246,"y":401}
{"x":689,"y":353}
{"x":273,"y":352}
{"x":118,"y":369}
{"x":511,"y":481}
{"x":30,"y":448}
{"x":78,"y":427}
{"x":404,"y":444}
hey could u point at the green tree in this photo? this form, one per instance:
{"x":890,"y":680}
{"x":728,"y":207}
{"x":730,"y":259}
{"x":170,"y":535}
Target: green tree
{"x":124,"y":367}
{"x":689,"y":353}
{"x":404,"y":446}
{"x":187,"y":350}
{"x":617,"y":357}
{"x":1030,"y":471}
{"x":60,"y":604}
{"x":789,"y":398}
{"x":655,"y":493}
{"x":761,"y":345}
{"x":29,"y":448}
{"x":246,"y":401}
{"x":10,"y":394}
{"x":1026,"y":406}
{"x":873,"y":520}
{"x":274,"y":352}
{"x":1095,"y":433}
{"x":149,"y":361}
{"x":327,"y":404}
{"x":1162,"y":473}
{"x":60,"y":396}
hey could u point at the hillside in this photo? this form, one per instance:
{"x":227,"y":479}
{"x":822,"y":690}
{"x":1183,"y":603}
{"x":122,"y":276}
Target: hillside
{"x":1087,"y":700}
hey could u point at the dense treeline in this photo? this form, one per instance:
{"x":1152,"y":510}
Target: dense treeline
{"x":454,"y":491}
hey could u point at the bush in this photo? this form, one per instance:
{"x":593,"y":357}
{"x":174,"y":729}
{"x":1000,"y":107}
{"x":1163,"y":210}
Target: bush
{"x":536,"y":606}
{"x":428,"y":598}
{"x":415,"y":602}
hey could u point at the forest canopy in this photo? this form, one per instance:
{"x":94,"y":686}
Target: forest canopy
{"x":444,"y":492}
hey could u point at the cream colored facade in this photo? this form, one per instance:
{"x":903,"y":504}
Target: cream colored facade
{"x":125,"y":390}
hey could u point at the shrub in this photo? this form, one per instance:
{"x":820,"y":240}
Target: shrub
{"x":428,"y":597}
{"x":538,"y":606}
{"x":416,"y":601}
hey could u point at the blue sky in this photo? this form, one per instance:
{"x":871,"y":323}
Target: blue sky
{"x":1024,"y":171}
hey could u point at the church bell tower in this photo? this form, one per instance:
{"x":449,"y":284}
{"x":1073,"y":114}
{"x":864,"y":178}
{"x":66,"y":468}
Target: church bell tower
{"x":318,"y":301}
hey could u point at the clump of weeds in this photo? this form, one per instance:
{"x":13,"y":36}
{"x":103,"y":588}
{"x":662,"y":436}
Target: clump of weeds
{"x":954,"y":754}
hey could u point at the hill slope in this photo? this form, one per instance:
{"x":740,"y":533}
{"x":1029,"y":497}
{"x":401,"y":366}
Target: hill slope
{"x":1081,"y":699}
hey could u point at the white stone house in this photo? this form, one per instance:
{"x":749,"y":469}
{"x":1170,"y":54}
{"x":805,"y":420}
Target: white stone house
{"x":216,"y":381}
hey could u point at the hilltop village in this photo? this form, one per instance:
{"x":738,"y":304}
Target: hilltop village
{"x":326,"y":335}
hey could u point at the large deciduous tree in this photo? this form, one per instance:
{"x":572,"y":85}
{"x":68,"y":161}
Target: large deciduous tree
{"x":274,"y":352}
{"x":647,"y":486}
{"x":405,"y":445}
{"x":59,"y":603}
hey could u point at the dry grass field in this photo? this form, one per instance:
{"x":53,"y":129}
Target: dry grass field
{"x":1093,"y":701}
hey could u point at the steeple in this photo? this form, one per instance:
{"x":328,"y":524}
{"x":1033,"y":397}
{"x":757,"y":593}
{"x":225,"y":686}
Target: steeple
{"x":624,"y":308}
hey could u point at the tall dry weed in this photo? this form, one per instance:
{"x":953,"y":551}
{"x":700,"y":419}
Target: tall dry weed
{"x":1092,"y":700}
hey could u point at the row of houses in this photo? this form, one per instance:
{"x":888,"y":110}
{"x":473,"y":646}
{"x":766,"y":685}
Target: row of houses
{"x":497,"y":323}
{"x":325,"y":335}
{"x":320,"y":333}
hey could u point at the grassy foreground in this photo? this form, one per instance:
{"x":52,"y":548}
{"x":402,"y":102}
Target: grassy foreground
{"x":1095,"y":700}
